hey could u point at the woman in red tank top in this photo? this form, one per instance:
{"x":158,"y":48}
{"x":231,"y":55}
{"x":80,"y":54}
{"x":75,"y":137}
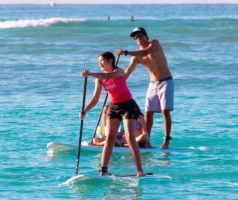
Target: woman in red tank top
{"x":121,"y":107}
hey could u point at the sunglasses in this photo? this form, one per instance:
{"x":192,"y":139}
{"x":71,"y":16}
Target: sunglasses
{"x":138,"y":36}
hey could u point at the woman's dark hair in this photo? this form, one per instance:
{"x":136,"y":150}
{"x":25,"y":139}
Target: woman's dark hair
{"x":109,"y":55}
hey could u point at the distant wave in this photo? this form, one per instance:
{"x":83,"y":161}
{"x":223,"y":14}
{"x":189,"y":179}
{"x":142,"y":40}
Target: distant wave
{"x":36,"y":22}
{"x":164,"y":18}
{"x":56,"y":20}
{"x":202,"y":18}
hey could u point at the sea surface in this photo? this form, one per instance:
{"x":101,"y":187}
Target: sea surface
{"x":44,"y":48}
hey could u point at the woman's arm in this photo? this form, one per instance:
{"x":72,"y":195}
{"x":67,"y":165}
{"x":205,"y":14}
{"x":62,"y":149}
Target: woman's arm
{"x":101,"y":75}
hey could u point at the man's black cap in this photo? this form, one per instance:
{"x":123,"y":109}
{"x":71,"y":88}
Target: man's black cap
{"x":138,"y":30}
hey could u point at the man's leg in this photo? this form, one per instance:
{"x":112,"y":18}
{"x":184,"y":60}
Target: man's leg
{"x":149,"y":121}
{"x":167,"y":128}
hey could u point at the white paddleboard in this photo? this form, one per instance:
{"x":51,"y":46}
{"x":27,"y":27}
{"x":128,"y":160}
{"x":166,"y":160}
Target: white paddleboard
{"x":58,"y":147}
{"x":82,"y":177}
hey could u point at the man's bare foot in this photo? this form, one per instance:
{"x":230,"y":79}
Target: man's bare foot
{"x":102,"y":174}
{"x":165,"y":145}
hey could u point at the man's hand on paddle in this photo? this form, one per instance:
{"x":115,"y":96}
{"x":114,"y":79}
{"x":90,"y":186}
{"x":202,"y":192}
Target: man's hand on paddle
{"x":120,"y":52}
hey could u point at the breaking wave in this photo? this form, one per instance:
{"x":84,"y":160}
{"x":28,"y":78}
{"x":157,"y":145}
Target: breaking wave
{"x":37,"y":22}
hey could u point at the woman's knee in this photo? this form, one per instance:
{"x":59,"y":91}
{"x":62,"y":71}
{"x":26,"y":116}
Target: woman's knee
{"x":130,"y":137}
{"x":111,"y":136}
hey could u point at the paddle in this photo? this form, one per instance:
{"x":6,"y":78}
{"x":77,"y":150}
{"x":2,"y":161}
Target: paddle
{"x":104,"y":103}
{"x":81,"y":126}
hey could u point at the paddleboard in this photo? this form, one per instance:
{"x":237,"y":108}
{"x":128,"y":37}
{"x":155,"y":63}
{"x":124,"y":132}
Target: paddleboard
{"x":58,"y":147}
{"x":82,"y":177}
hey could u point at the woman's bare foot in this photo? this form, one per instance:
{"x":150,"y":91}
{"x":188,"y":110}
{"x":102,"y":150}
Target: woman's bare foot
{"x":140,"y":174}
{"x":103,"y":171}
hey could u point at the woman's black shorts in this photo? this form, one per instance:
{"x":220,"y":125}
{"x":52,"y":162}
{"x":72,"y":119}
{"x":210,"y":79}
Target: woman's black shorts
{"x":124,"y":110}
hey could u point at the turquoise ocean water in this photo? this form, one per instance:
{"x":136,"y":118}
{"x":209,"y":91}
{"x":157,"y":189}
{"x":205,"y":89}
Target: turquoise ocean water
{"x":42,"y":51}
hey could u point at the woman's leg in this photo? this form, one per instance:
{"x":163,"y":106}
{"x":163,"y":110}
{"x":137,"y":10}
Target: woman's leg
{"x":129,"y":126}
{"x":112,"y":129}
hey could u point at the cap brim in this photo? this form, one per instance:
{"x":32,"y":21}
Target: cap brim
{"x":135,"y":32}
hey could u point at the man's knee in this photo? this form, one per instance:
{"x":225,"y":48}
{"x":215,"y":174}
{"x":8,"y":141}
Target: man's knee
{"x":149,"y":116}
{"x":166,"y":113}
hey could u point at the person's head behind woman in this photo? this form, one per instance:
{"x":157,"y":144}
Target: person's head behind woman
{"x":107,"y":58}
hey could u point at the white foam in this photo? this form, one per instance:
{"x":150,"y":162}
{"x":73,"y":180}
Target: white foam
{"x":201,"y":148}
{"x":37,"y":22}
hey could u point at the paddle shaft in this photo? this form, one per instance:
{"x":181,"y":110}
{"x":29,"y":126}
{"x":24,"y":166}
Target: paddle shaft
{"x":104,"y":103}
{"x":81,"y":126}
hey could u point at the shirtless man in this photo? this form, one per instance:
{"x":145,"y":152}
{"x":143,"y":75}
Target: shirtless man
{"x":160,"y":93}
